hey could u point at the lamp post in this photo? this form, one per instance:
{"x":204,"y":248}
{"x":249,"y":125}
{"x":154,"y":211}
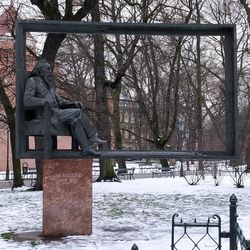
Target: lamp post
{"x":7,"y":158}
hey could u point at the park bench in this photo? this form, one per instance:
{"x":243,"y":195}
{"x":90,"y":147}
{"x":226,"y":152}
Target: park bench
{"x":126,"y":173}
{"x":148,"y":167}
{"x":168,"y":172}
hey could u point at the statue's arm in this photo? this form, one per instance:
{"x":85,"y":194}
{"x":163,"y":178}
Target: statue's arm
{"x":65,"y":103}
{"x":29,"y":98}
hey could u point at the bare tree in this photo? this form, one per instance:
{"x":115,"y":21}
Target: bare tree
{"x":231,"y":12}
{"x":7,"y":88}
{"x":247,"y":9}
{"x":123,"y":49}
{"x":157,"y":86}
{"x":52,"y":11}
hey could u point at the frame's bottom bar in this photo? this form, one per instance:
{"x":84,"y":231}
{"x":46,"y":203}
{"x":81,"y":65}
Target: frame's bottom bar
{"x":134,"y":154}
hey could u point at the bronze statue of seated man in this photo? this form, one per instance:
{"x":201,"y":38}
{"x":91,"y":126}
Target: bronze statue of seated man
{"x":40,"y":88}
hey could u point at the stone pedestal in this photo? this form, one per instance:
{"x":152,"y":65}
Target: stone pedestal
{"x":67,"y":197}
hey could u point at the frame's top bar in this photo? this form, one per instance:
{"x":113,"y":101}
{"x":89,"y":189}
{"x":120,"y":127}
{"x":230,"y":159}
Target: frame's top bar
{"x":30,"y":25}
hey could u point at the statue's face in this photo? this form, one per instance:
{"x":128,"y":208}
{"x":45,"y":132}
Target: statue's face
{"x":46,"y":73}
{"x":45,"y":70}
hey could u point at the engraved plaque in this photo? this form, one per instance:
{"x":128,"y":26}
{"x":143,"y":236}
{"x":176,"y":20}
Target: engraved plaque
{"x":67,"y":197}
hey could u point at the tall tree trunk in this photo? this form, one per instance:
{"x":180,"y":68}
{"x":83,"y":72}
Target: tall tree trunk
{"x":117,"y":125}
{"x":246,"y":6}
{"x":199,"y":94}
{"x":164,"y":162}
{"x":10,"y":114}
{"x":18,"y":181}
{"x":116,"y":90}
{"x":248,"y":151}
{"x":39,"y":166}
{"x":103,"y":126}
{"x":51,"y":47}
{"x":247,"y":9}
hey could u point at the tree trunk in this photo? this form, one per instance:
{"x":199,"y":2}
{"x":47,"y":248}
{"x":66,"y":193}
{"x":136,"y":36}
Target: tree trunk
{"x":117,"y":125}
{"x":247,"y":9}
{"x":248,"y":153}
{"x":116,"y":93}
{"x":199,"y":94}
{"x":103,"y":126}
{"x":182,"y":170}
{"x":51,"y":47}
{"x":10,"y":114}
{"x":39,"y":180}
{"x":164,"y":162}
{"x":39,"y":166}
{"x":17,"y":181}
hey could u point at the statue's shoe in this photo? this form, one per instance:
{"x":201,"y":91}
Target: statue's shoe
{"x":97,"y":140}
{"x":91,"y":152}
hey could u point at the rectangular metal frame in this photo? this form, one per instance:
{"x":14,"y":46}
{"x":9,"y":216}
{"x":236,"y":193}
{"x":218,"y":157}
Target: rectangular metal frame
{"x":229,"y":33}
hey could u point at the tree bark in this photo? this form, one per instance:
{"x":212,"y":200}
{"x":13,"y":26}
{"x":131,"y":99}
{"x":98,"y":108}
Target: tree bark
{"x":117,"y":126}
{"x":199,"y":92}
{"x":39,"y":166}
{"x":103,"y":126}
{"x":50,"y":11}
{"x":116,"y":90}
{"x":247,"y":9}
{"x":10,"y":114}
{"x":248,"y":148}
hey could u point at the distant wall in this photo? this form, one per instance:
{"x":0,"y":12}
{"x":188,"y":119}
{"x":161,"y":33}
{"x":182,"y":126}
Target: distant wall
{"x":3,"y":153}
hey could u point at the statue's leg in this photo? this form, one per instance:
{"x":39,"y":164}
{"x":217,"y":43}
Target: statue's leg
{"x":80,"y":135}
{"x":87,"y":126}
{"x":70,"y":115}
{"x":91,"y":132}
{"x":81,"y":128}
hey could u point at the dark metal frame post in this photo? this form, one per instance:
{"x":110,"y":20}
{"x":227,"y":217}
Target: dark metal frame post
{"x":227,"y":31}
{"x":231,"y":92}
{"x":233,"y":222}
{"x":20,"y":79}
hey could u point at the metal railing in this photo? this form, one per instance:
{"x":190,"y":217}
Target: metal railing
{"x":237,"y":237}
{"x":243,"y":242}
{"x":235,"y":233}
{"x":212,"y":223}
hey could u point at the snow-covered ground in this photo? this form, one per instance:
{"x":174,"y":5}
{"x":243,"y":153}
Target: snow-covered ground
{"x":137,"y":211}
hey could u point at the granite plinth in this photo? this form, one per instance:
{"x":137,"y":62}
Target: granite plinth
{"x":67,"y":197}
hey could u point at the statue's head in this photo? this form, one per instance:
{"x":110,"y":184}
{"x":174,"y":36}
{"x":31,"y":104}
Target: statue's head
{"x":41,"y":67}
{"x":44,"y":70}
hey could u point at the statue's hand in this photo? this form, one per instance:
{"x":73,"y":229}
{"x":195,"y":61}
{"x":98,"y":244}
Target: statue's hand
{"x":52,"y":103}
{"x":79,"y":105}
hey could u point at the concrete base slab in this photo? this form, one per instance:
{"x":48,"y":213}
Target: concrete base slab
{"x":29,"y":236}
